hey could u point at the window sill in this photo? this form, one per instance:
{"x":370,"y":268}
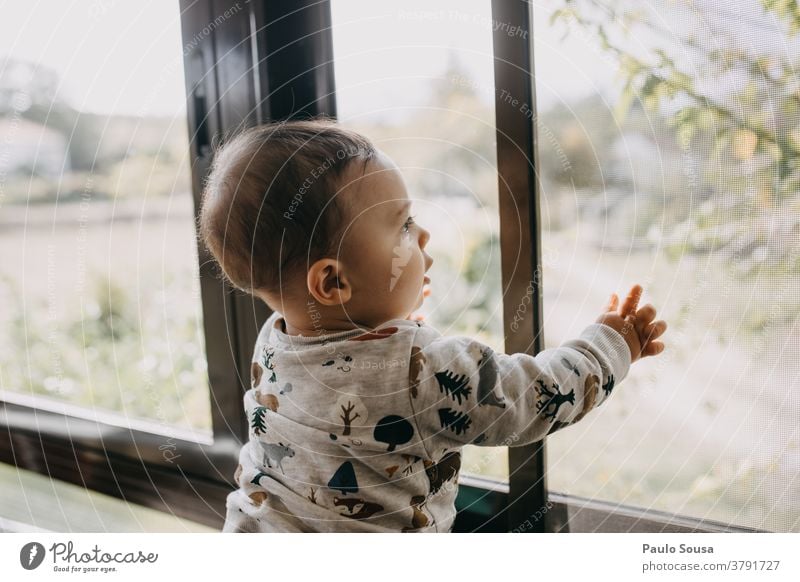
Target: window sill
{"x":580,"y":515}
{"x":57,"y":506}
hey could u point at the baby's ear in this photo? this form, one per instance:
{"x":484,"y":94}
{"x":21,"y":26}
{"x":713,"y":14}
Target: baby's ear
{"x":327,"y":282}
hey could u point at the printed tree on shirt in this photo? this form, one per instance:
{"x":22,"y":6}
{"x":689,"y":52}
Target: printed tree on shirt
{"x":347,"y":416}
{"x":344,"y":479}
{"x":393,"y":430}
{"x":349,"y":412}
{"x":454,"y":385}
{"x":456,"y":421}
{"x":258,"y":424}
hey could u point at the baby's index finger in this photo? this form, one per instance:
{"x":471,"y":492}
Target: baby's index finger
{"x":612,"y":303}
{"x":631,"y":301}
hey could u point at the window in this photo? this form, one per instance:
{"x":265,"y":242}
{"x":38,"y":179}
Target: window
{"x":98,"y":261}
{"x":108,"y":370}
{"x":419,"y":81}
{"x":669,"y":156}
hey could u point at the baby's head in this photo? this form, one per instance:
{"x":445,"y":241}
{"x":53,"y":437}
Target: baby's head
{"x":313,"y":219}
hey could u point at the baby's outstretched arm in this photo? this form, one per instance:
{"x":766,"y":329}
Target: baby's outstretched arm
{"x":462,"y":392}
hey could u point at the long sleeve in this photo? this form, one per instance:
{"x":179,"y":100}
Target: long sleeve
{"x":464,"y":393}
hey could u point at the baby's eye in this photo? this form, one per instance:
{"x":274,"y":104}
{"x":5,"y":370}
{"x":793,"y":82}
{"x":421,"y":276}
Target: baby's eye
{"x":408,"y":223}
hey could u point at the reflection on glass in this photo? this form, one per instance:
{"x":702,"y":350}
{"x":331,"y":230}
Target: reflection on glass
{"x":419,"y":82}
{"x":669,"y":139}
{"x":98,"y":263}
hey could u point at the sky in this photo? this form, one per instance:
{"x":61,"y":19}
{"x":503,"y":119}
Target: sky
{"x":383,"y":49}
{"x":126,"y":56}
{"x":114,"y":56}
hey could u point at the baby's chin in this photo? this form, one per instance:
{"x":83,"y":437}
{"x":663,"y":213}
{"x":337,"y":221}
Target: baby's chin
{"x":420,"y":301}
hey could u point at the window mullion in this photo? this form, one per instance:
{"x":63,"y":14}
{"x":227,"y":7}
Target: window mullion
{"x":515,"y":107}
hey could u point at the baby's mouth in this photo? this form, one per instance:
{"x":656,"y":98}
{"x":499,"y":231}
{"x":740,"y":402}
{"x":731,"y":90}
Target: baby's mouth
{"x":426,"y":287}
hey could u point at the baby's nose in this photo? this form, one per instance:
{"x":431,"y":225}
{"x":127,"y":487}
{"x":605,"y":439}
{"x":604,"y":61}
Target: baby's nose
{"x":425,"y":236}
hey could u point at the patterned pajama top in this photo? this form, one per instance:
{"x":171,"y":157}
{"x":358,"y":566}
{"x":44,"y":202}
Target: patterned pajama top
{"x":362,"y":431}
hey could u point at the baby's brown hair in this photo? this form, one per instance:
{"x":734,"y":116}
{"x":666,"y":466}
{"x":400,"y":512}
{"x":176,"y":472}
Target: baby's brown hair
{"x":269,"y":207}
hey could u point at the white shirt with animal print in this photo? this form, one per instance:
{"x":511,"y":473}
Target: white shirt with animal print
{"x":356,"y":431}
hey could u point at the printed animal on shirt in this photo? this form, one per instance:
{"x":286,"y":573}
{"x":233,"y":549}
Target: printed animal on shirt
{"x":552,"y":398}
{"x":365,"y":508}
{"x":418,"y":518}
{"x":488,"y":372}
{"x":591,"y":387}
{"x":415,"y":369}
{"x":258,"y":497}
{"x":267,"y":400}
{"x":446,"y":469}
{"x":275,"y":452}
{"x":255,"y":373}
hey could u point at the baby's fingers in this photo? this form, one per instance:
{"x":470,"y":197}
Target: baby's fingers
{"x":631,"y":301}
{"x":644,"y":317}
{"x":612,"y":303}
{"x":653,"y":348}
{"x":654,"y":330}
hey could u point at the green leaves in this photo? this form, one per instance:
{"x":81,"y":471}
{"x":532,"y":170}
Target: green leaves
{"x":754,"y":120}
{"x":788,"y":10}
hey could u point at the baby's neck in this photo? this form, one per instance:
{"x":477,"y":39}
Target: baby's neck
{"x":320,"y":329}
{"x":327,"y":326}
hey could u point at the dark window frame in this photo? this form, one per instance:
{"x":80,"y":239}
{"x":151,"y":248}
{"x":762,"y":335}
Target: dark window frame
{"x":225,"y":92}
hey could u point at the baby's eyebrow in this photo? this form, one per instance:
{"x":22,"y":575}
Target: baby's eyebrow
{"x":406,"y":205}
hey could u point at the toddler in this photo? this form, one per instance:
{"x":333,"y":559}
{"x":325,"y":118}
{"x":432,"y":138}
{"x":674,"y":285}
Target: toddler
{"x":357,"y":412}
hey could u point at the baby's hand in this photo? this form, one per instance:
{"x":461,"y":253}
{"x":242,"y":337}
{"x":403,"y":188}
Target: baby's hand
{"x":636,"y":326}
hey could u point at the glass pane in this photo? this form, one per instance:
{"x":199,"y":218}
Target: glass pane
{"x":420,"y":83}
{"x":669,"y":139}
{"x":98,"y":262}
